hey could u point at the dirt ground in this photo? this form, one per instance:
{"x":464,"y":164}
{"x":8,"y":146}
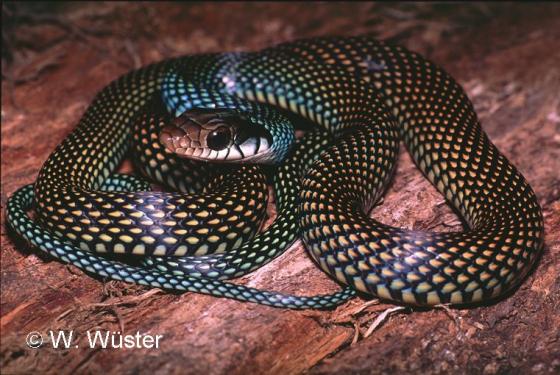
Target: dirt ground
{"x":55,"y":57}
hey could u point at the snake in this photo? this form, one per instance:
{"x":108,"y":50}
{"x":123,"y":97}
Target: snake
{"x":369,"y":96}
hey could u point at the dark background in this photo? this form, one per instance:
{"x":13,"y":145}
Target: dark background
{"x":55,"y":57}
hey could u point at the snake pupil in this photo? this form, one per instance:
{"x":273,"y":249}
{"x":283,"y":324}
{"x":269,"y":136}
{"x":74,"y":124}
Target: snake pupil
{"x":218,"y":139}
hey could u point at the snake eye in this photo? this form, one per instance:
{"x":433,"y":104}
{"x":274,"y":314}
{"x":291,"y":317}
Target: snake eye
{"x":219,"y":138}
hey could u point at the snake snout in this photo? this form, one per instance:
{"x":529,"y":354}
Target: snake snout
{"x":172,"y":137}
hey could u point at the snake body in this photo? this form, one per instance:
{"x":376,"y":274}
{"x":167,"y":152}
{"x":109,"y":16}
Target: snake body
{"x":369,"y":95}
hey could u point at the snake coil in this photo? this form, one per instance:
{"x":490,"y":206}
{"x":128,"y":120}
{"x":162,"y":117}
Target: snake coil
{"x":368,"y":95}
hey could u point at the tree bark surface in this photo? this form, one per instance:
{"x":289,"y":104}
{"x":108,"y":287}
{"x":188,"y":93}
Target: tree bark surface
{"x":505,"y":56}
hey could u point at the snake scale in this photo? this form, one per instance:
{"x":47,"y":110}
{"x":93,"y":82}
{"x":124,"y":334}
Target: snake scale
{"x":367,"y":95}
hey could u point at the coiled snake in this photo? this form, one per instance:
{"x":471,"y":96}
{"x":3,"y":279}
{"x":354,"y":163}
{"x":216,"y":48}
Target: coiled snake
{"x":368,"y":95}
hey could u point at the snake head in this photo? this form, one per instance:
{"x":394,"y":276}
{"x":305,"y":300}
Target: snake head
{"x":216,"y":134}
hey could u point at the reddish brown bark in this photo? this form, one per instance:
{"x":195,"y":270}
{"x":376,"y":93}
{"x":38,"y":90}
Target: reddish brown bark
{"x":506,"y":56}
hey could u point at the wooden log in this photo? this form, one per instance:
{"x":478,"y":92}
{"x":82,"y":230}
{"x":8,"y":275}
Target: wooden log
{"x":505,"y":55}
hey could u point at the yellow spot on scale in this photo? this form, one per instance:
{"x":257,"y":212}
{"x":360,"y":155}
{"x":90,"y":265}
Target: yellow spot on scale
{"x":456,"y":297}
{"x":432,"y":298}
{"x":105,"y":237}
{"x":139,"y":249}
{"x":119,"y":249}
{"x":202,"y":250}
{"x":383,"y":292}
{"x":148,"y":239}
{"x":340,"y":275}
{"x":159,"y":251}
{"x":397,"y":284}
{"x":408,"y":297}
{"x":192,"y":240}
{"x":170,"y":240}
{"x":202,"y":214}
{"x":126,"y":238}
{"x":372,"y":279}
{"x":180,"y":215}
{"x":181,"y":251}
